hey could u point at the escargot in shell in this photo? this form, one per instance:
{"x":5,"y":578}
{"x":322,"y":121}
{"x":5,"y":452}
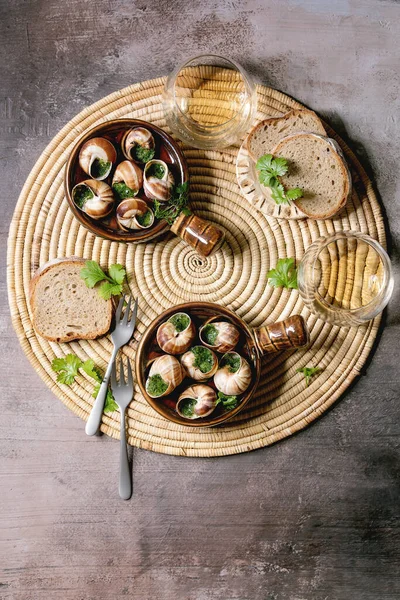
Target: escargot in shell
{"x":164,"y":376}
{"x":95,"y":198}
{"x":176,"y":335}
{"x":97,"y":157}
{"x":196,"y":401}
{"x":233,"y":376}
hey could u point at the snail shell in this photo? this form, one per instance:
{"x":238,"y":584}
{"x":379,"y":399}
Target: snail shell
{"x":229,"y":382}
{"x":158,"y":187}
{"x":94,"y":150}
{"x":169,"y":369}
{"x":226,"y":336}
{"x":190,"y":363}
{"x":176,"y":335}
{"x":129,"y":214}
{"x":101,"y":202}
{"x":130,"y":174}
{"x":137,"y":137}
{"x":202,"y":401}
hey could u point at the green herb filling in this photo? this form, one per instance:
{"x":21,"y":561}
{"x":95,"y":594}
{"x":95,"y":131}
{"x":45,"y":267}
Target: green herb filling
{"x":209,"y":334}
{"x":144,"y":219}
{"x":203,"y":358}
{"x":100,"y":167}
{"x":180,"y":321}
{"x":142,"y":154}
{"x":228,"y":402}
{"x":156,"y":386}
{"x":155,"y":170}
{"x":186,"y":407}
{"x":122,"y":190}
{"x":232,"y":361}
{"x":82,"y":194}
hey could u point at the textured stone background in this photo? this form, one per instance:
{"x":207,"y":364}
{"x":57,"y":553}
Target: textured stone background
{"x":314,"y":517}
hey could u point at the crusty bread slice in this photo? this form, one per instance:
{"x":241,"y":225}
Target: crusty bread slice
{"x":315,"y":167}
{"x":265,"y":136}
{"x":63,"y":308}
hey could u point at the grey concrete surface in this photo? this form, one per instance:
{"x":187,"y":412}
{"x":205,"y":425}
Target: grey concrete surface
{"x":315,"y":517}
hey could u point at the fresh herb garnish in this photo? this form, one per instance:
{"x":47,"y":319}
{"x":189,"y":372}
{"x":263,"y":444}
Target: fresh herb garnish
{"x":209,"y":334}
{"x":68,"y":368}
{"x":82,"y":193}
{"x":156,"y":386}
{"x":270,"y":169}
{"x":142,"y":154}
{"x":309,"y":372}
{"x":180,"y":321}
{"x":109,"y":403}
{"x":284,"y":274}
{"x":112,"y":284}
{"x":228,"y":402}
{"x":100,"y":167}
{"x":186,"y":407}
{"x":203,"y":358}
{"x":232,"y":361}
{"x":122,"y":191}
{"x":155,"y":170}
{"x":176,"y":205}
{"x":144,"y":219}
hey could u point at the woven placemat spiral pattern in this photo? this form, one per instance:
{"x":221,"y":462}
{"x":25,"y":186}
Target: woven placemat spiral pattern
{"x":167,"y":272}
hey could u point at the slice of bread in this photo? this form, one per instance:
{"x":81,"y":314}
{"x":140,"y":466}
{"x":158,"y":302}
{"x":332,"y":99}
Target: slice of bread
{"x":316,"y":167}
{"x":63,"y":308}
{"x":265,"y":136}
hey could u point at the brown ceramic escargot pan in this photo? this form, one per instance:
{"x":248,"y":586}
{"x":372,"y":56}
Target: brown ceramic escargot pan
{"x":122,"y":176}
{"x":198,"y":364}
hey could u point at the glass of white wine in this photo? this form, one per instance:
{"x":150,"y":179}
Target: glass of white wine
{"x":209,"y":102}
{"x":346,"y":279}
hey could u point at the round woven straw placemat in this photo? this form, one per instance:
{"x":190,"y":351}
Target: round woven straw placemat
{"x":167,"y":272}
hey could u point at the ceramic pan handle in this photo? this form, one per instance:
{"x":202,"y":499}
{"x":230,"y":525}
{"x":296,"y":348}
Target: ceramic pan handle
{"x":202,"y":235}
{"x":290,"y":333}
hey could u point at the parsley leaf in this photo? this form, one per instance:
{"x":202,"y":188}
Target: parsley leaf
{"x":228,"y":402}
{"x":278,"y":194}
{"x":117,"y":273}
{"x":90,"y":369}
{"x":67,"y":368}
{"x":112,"y":283}
{"x":109,"y":404}
{"x":178,"y":203}
{"x":92,"y":273}
{"x":309,"y":372}
{"x":108,"y":289}
{"x":284,"y":274}
{"x":294,"y":193}
{"x":270,"y":169}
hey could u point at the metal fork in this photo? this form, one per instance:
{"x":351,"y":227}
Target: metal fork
{"x":120,"y":336}
{"x":123,"y":394}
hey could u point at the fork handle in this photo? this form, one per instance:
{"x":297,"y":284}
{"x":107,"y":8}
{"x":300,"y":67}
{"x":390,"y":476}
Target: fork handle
{"x":94,"y":420}
{"x":125,"y":484}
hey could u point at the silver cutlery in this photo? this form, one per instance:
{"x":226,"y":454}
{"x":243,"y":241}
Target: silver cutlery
{"x":120,"y":336}
{"x":123,"y":394}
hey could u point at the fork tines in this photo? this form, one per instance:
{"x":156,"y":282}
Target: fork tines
{"x":124,"y":320}
{"x":123,"y":383}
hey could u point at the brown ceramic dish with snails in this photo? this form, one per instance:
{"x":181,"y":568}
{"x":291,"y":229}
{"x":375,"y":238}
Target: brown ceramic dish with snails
{"x":116,"y":174}
{"x":198,"y":364}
